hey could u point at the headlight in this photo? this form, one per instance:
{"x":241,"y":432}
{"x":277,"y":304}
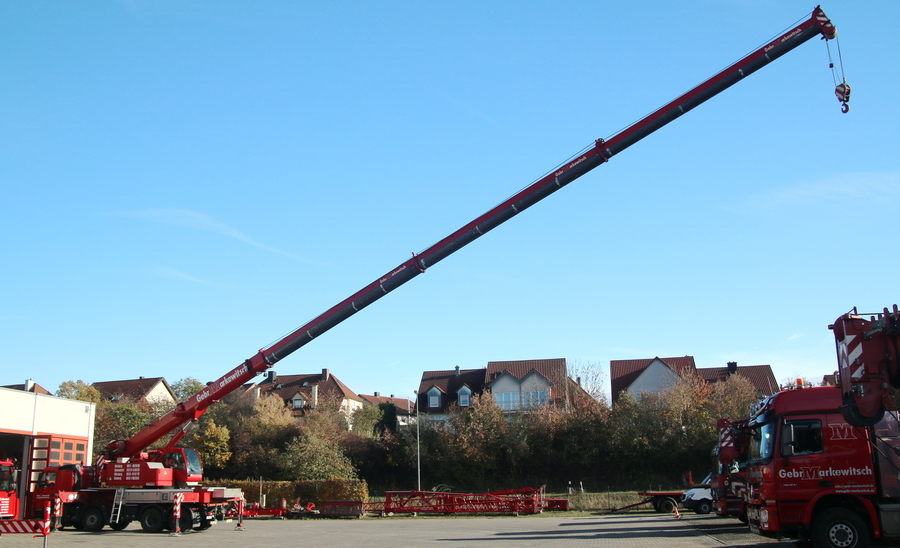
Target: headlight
{"x":763,"y":515}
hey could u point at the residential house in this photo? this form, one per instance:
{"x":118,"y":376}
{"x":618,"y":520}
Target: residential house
{"x":153,"y":390}
{"x":654,"y":374}
{"x":515,"y":385}
{"x":303,"y":393}
{"x":525,"y":384}
{"x":440,"y":390}
{"x":403,"y":407}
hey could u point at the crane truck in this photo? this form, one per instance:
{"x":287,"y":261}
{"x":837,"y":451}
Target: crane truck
{"x":130,"y":482}
{"x":729,"y":484}
{"x":824,"y":462}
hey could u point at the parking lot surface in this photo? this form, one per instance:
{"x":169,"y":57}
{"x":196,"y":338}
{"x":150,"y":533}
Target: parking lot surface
{"x":546,"y":531}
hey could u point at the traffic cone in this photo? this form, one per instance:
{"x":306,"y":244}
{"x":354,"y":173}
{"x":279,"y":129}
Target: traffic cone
{"x":677,"y":513}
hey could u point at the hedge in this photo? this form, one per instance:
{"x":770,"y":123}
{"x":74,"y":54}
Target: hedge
{"x":299,"y":492}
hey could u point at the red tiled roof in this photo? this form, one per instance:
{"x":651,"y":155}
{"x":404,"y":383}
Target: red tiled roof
{"x":624,"y":372}
{"x":35,"y":388}
{"x":449,"y":382}
{"x":760,"y":375}
{"x":403,"y":405}
{"x":132,"y":389}
{"x":553,"y":369}
{"x":288,"y":386}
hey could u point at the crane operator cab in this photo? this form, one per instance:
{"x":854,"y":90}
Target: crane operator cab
{"x":185,"y":464}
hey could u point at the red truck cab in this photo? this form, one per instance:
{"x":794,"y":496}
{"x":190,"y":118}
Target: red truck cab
{"x":9,"y":500}
{"x":813,"y":476}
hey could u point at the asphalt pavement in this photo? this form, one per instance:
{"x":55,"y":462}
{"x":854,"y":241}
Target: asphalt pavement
{"x":549,"y":530}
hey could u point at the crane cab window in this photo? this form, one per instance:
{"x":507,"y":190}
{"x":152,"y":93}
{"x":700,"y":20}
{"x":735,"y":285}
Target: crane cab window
{"x":801,"y":437}
{"x":175,"y":460}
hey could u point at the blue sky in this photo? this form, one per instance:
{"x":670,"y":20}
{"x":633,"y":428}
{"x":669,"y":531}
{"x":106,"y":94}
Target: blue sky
{"x":185,"y":182}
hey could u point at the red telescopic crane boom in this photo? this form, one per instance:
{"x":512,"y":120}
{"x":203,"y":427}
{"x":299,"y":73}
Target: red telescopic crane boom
{"x":191,"y":409}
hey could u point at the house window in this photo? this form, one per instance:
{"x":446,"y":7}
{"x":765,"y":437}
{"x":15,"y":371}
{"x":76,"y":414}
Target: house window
{"x":464,"y":396}
{"x":534,"y":399}
{"x":434,"y":398}
{"x":507,"y":401}
{"x":298,"y":403}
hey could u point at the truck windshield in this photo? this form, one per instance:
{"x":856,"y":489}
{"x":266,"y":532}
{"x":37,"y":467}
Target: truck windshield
{"x":193,"y":461}
{"x":7,"y":478}
{"x":762,"y":442}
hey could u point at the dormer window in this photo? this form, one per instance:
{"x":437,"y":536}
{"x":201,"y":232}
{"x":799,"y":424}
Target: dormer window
{"x":434,"y":398}
{"x":298,"y":402}
{"x":464,"y":396}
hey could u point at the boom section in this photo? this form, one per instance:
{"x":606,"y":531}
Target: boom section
{"x":602,"y":151}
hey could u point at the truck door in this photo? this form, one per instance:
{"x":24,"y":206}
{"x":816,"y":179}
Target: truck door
{"x":803,"y":458}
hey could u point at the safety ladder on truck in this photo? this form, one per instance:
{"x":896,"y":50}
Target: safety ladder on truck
{"x":118,"y":499}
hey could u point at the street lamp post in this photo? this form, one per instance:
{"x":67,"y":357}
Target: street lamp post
{"x":418,"y":450}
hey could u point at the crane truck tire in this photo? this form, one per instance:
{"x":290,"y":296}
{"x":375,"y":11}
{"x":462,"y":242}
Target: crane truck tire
{"x":153,"y":520}
{"x":839,"y":528}
{"x":93,"y":518}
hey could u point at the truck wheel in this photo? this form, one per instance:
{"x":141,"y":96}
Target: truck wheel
{"x":185,"y":523}
{"x":839,"y":528}
{"x":152,"y":520}
{"x":666,"y":505}
{"x":119,"y":525}
{"x":703,"y":506}
{"x":93,"y":519}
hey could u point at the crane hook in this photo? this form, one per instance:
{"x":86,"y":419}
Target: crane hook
{"x":842,"y":91}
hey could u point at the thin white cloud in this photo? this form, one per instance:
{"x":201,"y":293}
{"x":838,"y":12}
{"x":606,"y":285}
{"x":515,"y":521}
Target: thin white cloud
{"x":199,"y":221}
{"x":842,"y":188}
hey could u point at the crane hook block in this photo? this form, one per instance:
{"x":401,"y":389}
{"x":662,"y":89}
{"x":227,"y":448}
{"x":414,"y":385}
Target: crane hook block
{"x":842,"y":91}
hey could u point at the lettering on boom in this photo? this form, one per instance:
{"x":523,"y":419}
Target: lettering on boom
{"x":210,"y":390}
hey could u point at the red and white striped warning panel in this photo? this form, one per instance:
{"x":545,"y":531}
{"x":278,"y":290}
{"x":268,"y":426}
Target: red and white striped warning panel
{"x":27,"y":526}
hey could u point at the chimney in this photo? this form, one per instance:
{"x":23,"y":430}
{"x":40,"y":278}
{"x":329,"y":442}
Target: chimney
{"x":732,"y":368}
{"x":29,"y":385}
{"x":377,"y":394}
{"x":457,"y":370}
{"x":578,"y":380}
{"x":326,"y":374}
{"x":271,"y":376}
{"x":315,"y":396}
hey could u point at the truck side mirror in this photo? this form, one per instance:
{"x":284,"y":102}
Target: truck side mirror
{"x":787,"y":440}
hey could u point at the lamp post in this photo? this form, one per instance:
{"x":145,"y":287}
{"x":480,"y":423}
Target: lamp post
{"x":418,"y":450}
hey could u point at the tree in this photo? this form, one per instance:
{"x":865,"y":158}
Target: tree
{"x":261,"y":431}
{"x":212,"y":442}
{"x":591,"y":376}
{"x":79,"y":390}
{"x":732,"y":398}
{"x":365,"y":419}
{"x":186,"y":387}
{"x":314,"y":458}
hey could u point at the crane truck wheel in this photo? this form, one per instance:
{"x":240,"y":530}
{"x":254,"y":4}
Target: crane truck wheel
{"x":153,"y":520}
{"x":185,"y":522}
{"x":119,"y":525}
{"x":839,"y":528}
{"x":93,"y":518}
